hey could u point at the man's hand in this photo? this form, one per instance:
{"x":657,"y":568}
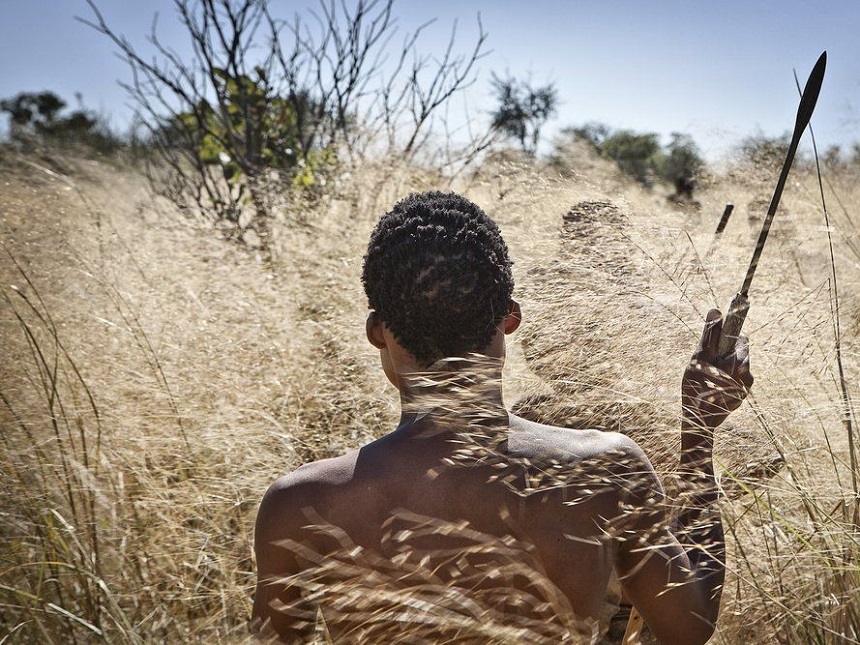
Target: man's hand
{"x":713,"y":386}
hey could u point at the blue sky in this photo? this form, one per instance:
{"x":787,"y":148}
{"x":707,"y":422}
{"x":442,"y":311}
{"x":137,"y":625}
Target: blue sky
{"x":716,"y":70}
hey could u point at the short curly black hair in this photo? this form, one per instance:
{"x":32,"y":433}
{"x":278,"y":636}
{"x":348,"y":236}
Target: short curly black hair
{"x":437,"y":272}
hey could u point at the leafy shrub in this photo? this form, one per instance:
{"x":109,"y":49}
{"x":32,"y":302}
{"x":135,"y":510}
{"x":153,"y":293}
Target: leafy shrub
{"x":763,"y":151}
{"x":640,"y":155}
{"x":37,"y":116}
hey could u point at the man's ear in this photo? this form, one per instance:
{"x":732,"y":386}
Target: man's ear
{"x":513,"y":319}
{"x":373,"y":328}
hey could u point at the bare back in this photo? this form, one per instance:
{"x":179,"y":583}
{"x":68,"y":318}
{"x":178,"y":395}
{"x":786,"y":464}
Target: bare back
{"x":531,"y":514}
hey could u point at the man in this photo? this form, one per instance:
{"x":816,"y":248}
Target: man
{"x":467,"y":521}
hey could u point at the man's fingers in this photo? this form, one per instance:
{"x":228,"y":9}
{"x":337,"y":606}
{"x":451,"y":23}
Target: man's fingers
{"x":742,"y":349}
{"x":710,"y":342}
{"x":742,"y":360}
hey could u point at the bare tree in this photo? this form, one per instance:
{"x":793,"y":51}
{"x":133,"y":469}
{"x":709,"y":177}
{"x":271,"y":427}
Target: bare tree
{"x":264,"y":100}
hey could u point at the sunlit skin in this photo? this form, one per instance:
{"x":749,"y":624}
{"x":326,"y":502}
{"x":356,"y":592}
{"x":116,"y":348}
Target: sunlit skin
{"x":620,"y":525}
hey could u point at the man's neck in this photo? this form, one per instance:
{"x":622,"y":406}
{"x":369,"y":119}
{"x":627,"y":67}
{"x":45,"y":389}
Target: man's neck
{"x":467,"y":389}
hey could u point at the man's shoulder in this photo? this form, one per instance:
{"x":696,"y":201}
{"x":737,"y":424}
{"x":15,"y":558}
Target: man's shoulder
{"x":304,"y":487}
{"x":585,"y":457}
{"x":319,"y":474}
{"x":568,"y":443}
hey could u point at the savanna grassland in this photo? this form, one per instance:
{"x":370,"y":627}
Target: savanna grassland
{"x":154,"y":379}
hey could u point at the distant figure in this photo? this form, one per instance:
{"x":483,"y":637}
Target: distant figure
{"x":467,"y":521}
{"x":684,"y":185}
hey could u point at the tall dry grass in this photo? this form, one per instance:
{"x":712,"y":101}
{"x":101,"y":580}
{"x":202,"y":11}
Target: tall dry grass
{"x":154,"y":381}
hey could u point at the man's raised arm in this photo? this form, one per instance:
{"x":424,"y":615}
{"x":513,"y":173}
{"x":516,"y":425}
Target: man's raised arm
{"x":672,"y":570}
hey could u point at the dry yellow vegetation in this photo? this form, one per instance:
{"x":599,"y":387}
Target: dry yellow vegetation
{"x":154,"y":379}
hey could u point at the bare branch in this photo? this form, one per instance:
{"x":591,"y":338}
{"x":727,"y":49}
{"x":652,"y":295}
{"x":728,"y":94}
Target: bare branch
{"x":233,"y":116}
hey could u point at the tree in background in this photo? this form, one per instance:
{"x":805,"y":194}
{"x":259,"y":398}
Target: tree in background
{"x":680,"y":158}
{"x":832,"y":156}
{"x":523,"y":110}
{"x":636,"y":154}
{"x":764,"y":151}
{"x":854,"y":154}
{"x":31,"y":112}
{"x":264,"y":106}
{"x":37,"y":116}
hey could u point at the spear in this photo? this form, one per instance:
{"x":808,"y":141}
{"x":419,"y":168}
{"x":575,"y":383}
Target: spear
{"x":740,"y":303}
